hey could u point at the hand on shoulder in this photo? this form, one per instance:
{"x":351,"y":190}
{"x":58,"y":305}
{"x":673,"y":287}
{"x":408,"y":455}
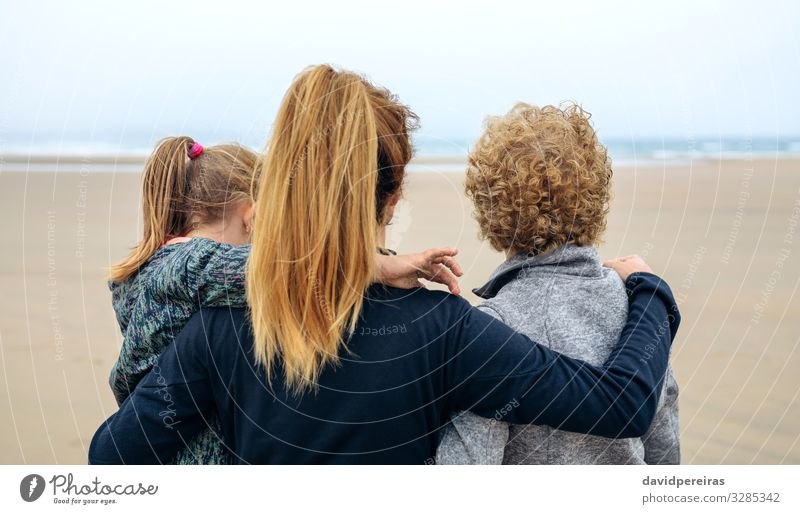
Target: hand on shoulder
{"x":405,"y":271}
{"x":626,"y":266}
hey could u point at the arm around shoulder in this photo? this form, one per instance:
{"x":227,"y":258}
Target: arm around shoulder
{"x":167,"y":409}
{"x":494,"y":369}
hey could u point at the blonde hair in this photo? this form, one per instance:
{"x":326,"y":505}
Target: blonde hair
{"x":539,"y":179}
{"x":179,"y":193}
{"x":338,"y":151}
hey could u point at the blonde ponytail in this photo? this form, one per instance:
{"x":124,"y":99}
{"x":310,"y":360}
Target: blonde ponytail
{"x":315,"y":225}
{"x":163,"y":184}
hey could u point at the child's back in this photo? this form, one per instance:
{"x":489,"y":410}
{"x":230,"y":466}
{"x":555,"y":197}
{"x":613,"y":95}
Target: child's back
{"x":192,"y":197}
{"x":569,"y":302}
{"x":153,"y":305}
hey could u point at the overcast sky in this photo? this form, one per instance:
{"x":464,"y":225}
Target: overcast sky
{"x":126,"y":72}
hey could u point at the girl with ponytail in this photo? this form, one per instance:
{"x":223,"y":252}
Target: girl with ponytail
{"x":326,"y":366}
{"x":198,"y":212}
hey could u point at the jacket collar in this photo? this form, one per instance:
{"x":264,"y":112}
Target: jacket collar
{"x":581,"y":261}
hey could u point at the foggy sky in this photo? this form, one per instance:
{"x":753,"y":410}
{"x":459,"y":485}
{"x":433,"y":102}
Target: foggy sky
{"x":119,"y":72}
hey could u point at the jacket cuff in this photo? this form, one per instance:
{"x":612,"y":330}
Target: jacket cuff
{"x":649,"y":287}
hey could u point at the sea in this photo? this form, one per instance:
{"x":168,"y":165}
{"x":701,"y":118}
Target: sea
{"x":431,"y":153}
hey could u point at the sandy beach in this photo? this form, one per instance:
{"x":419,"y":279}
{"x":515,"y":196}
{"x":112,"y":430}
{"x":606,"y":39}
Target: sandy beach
{"x":725,"y":234}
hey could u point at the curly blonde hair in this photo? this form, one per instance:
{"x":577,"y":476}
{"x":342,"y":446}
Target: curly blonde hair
{"x":539,"y":179}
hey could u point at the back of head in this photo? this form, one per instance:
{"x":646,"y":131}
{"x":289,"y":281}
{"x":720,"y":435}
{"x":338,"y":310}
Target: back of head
{"x":337,"y":152}
{"x":185,"y":185}
{"x":539,"y":179}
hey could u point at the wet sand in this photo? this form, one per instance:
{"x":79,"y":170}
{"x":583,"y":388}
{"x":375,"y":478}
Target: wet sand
{"x":726,"y":236}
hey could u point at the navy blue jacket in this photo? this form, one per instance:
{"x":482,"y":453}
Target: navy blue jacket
{"x":415,"y":357}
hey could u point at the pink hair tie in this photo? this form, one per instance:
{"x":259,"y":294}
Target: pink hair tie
{"x":195,"y":150}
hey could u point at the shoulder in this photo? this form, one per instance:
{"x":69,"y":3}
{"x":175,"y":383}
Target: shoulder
{"x":492,"y":308}
{"x":208,"y":257}
{"x":119,"y":290}
{"x":519,"y":302}
{"x":200,"y":249}
{"x":222,"y":330}
{"x":444,"y":300}
{"x":201,"y":256}
{"x":220,"y":320}
{"x":614,"y":281}
{"x":418,"y":299}
{"x":121,"y":300}
{"x":432,"y":310}
{"x":613,"y":295}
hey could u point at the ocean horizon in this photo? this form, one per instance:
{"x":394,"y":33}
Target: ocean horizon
{"x":443,"y":154}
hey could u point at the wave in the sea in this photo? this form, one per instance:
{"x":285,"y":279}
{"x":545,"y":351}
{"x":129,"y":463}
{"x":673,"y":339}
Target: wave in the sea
{"x":431,"y":153}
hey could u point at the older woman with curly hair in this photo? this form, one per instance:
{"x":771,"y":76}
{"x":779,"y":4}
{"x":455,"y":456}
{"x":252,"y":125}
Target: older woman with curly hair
{"x":540,"y":182}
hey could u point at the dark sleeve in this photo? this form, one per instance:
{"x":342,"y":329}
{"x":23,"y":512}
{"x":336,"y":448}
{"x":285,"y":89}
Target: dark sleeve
{"x":662,"y":442}
{"x":167,"y":409}
{"x":498,"y":373}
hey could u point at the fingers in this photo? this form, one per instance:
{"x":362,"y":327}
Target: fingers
{"x":625,"y":266}
{"x":442,"y":251}
{"x":608,"y":263}
{"x":437,"y":265}
{"x":441,"y":274}
{"x":438,"y":255}
{"x":451,"y":263}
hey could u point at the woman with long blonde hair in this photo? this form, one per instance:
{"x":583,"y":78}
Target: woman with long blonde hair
{"x":328,"y":367}
{"x":197,"y":205}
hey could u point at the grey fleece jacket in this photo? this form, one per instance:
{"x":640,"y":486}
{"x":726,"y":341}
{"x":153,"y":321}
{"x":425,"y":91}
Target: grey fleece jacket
{"x":569,"y":302}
